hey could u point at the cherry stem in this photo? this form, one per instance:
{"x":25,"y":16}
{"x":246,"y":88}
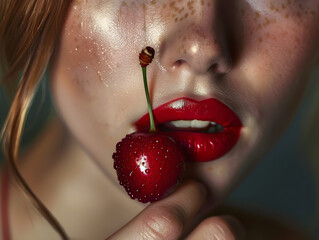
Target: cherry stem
{"x":150,"y":110}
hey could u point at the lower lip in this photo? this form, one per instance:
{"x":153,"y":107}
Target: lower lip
{"x":199,"y":146}
{"x":204,"y":147}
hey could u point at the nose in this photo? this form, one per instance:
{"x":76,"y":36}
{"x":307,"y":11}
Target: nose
{"x":198,"y":44}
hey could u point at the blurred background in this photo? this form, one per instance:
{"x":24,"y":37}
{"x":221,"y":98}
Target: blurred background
{"x":283,"y":183}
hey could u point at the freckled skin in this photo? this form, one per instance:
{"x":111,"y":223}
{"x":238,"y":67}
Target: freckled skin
{"x":270,"y":43}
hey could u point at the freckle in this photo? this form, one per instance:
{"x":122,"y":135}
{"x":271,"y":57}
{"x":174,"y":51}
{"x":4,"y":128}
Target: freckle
{"x":186,"y":15}
{"x":202,"y":2}
{"x":260,"y":39}
{"x":193,"y":12}
{"x":283,"y":6}
{"x":272,"y":6}
{"x":164,"y":5}
{"x":144,"y":7}
{"x":181,"y":10}
{"x":287,"y":15}
{"x":210,"y":168}
{"x":257,"y":14}
{"x":243,"y":12}
{"x":124,"y":4}
{"x":153,"y":2}
{"x":176,"y":19}
{"x":288,"y":1}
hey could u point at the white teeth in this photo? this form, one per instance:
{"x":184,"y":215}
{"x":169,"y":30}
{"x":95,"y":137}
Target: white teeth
{"x":190,"y":123}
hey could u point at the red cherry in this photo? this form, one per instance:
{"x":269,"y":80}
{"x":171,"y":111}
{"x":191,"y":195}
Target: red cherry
{"x":149,"y":165}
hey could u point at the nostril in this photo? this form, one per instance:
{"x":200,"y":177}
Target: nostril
{"x":221,"y":67}
{"x":179,"y":62}
{"x":214,"y":67}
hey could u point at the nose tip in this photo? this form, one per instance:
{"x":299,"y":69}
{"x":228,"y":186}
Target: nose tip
{"x":200,"y":48}
{"x":204,"y":56}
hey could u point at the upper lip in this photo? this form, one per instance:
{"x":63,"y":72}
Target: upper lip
{"x":209,"y":109}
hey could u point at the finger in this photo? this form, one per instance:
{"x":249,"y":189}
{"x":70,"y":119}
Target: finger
{"x":166,"y":219}
{"x":225,"y":227}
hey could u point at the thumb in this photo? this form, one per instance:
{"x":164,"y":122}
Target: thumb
{"x":166,"y":219}
{"x":222,"y":227}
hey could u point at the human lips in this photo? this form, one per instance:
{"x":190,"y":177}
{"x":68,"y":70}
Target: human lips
{"x":206,"y":129}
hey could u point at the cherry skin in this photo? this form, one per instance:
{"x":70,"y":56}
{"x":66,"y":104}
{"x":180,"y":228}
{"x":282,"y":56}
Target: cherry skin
{"x":149,"y":165}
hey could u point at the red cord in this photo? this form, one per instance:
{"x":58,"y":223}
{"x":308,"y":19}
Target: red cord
{"x":5,"y":206}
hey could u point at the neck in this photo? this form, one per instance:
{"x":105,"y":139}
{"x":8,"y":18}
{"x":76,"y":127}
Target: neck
{"x":72,"y":187}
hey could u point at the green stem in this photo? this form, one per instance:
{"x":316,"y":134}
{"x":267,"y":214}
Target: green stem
{"x":150,"y":110}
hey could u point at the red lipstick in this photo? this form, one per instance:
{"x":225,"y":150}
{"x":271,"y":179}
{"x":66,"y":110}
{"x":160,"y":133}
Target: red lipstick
{"x":200,"y":145}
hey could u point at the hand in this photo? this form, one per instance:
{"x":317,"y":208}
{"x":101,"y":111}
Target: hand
{"x":168,"y":219}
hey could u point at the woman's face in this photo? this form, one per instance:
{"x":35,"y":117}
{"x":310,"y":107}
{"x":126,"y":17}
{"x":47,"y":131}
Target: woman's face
{"x":251,"y":55}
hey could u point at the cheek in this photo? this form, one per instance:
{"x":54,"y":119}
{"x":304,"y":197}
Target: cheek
{"x":94,"y":61}
{"x":277,"y":54}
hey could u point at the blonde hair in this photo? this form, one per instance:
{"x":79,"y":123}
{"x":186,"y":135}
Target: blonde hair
{"x":29,"y":33}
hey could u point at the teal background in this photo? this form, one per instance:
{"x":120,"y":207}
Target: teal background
{"x":282,"y":183}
